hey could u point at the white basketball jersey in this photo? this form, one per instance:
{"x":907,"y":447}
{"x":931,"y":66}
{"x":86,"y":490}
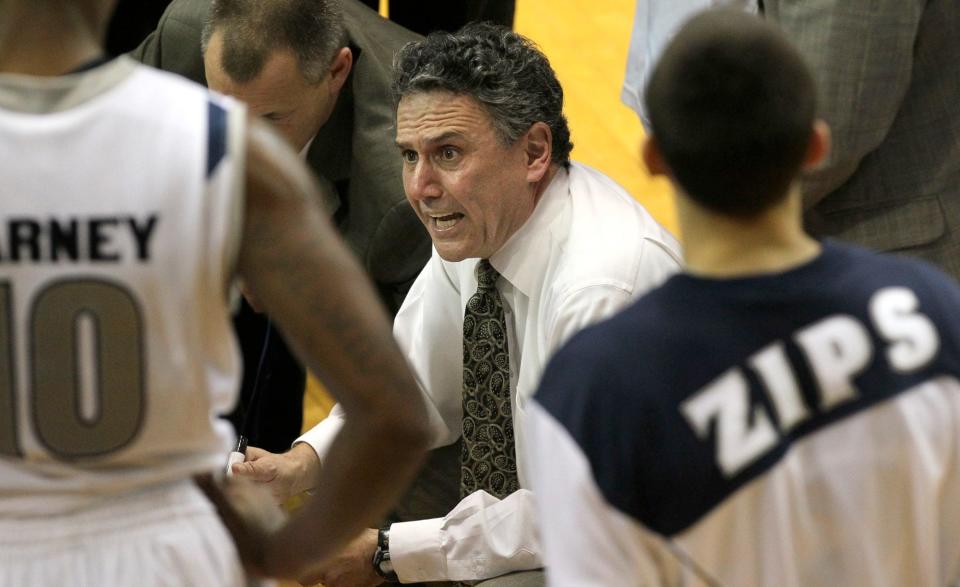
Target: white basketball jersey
{"x":789,"y":429}
{"x":120,"y":213}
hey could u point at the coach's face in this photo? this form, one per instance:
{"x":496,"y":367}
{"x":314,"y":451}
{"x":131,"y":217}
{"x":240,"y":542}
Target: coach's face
{"x":470,"y":190}
{"x":280,"y":94}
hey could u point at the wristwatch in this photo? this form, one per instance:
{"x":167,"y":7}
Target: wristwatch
{"x":381,"y":557}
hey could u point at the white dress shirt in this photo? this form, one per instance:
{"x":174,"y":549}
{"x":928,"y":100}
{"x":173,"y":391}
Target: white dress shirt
{"x":654,"y":25}
{"x":587,"y":249}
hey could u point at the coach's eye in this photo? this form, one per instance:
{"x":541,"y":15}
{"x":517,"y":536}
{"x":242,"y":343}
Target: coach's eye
{"x":409,"y":156}
{"x":449,"y":154}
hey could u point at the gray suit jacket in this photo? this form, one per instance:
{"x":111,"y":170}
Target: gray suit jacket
{"x":354,"y":151}
{"x":890,"y":89}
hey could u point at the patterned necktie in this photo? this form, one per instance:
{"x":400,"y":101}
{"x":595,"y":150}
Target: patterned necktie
{"x":487,"y":457}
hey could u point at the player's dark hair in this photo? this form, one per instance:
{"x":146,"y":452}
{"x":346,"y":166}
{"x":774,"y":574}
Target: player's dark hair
{"x":732,"y":106}
{"x":254,"y":29}
{"x":503,"y":71}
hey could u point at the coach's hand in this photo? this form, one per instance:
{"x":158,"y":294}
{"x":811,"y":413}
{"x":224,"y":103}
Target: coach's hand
{"x":352,"y":567}
{"x":286,"y":475}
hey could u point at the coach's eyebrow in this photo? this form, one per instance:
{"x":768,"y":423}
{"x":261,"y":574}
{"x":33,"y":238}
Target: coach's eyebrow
{"x":430,"y":141}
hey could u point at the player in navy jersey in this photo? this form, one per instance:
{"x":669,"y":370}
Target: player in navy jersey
{"x":130,"y":199}
{"x":786,"y":411}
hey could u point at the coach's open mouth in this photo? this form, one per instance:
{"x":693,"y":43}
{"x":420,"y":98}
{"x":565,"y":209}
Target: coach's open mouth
{"x":446,"y":222}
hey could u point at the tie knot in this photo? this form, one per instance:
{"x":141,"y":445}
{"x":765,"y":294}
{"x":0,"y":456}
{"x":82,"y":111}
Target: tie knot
{"x":486,"y":275}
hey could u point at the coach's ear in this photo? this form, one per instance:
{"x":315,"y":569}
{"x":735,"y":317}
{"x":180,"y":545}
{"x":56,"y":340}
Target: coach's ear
{"x":653,"y":158}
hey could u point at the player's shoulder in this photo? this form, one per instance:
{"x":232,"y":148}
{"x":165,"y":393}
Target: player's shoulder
{"x":175,"y":102}
{"x":600,"y":362}
{"x":860,"y":272}
{"x":871,"y":267}
{"x":165,"y":83}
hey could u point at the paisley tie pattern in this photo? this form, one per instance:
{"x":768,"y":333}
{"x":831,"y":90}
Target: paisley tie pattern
{"x":487,"y":457}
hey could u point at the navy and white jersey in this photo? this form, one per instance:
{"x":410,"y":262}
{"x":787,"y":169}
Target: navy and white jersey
{"x":120,"y":215}
{"x":790,"y":429}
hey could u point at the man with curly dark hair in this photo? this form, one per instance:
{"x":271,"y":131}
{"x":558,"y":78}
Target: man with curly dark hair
{"x":529,"y":247}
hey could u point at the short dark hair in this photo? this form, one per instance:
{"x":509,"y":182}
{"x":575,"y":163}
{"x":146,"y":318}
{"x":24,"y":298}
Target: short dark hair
{"x":732,"y":106}
{"x":503,"y":71}
{"x":253,"y":29}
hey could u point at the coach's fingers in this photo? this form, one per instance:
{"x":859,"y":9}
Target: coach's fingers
{"x":264,"y":459}
{"x":263,"y":470}
{"x":278,"y":472}
{"x":254,"y":453}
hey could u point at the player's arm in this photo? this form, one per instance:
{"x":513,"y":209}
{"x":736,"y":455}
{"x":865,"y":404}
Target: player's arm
{"x":295,"y":264}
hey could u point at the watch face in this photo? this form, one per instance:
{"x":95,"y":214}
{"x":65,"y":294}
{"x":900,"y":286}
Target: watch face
{"x":383,"y":567}
{"x":386,"y":566}
{"x":381,"y":557}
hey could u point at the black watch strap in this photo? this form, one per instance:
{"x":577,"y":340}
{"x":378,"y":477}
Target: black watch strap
{"x":381,"y":557}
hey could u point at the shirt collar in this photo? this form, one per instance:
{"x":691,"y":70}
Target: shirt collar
{"x":521,"y":261}
{"x":306,"y":148}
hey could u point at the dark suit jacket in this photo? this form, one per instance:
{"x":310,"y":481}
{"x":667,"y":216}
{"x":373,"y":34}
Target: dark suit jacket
{"x":889,"y":87}
{"x":354,"y":151}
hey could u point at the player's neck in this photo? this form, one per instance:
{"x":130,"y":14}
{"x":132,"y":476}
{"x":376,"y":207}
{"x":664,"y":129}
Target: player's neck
{"x":67,"y":37}
{"x":723,"y":246}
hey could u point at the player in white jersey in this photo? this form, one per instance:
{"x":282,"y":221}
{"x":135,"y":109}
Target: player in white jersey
{"x":129,"y":200}
{"x":785,"y":412}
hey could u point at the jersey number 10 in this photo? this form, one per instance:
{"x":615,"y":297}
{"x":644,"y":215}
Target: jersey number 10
{"x":56,"y":366}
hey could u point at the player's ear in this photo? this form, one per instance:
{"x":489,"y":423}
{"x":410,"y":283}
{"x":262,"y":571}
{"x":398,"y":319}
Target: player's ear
{"x":819,"y":146}
{"x":653,"y":157}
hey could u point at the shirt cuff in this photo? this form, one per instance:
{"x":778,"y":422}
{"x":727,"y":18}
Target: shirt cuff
{"x":321,"y":436}
{"x":415,"y":550}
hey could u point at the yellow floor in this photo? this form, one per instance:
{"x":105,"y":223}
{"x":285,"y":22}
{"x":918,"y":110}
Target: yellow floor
{"x":586,"y":41}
